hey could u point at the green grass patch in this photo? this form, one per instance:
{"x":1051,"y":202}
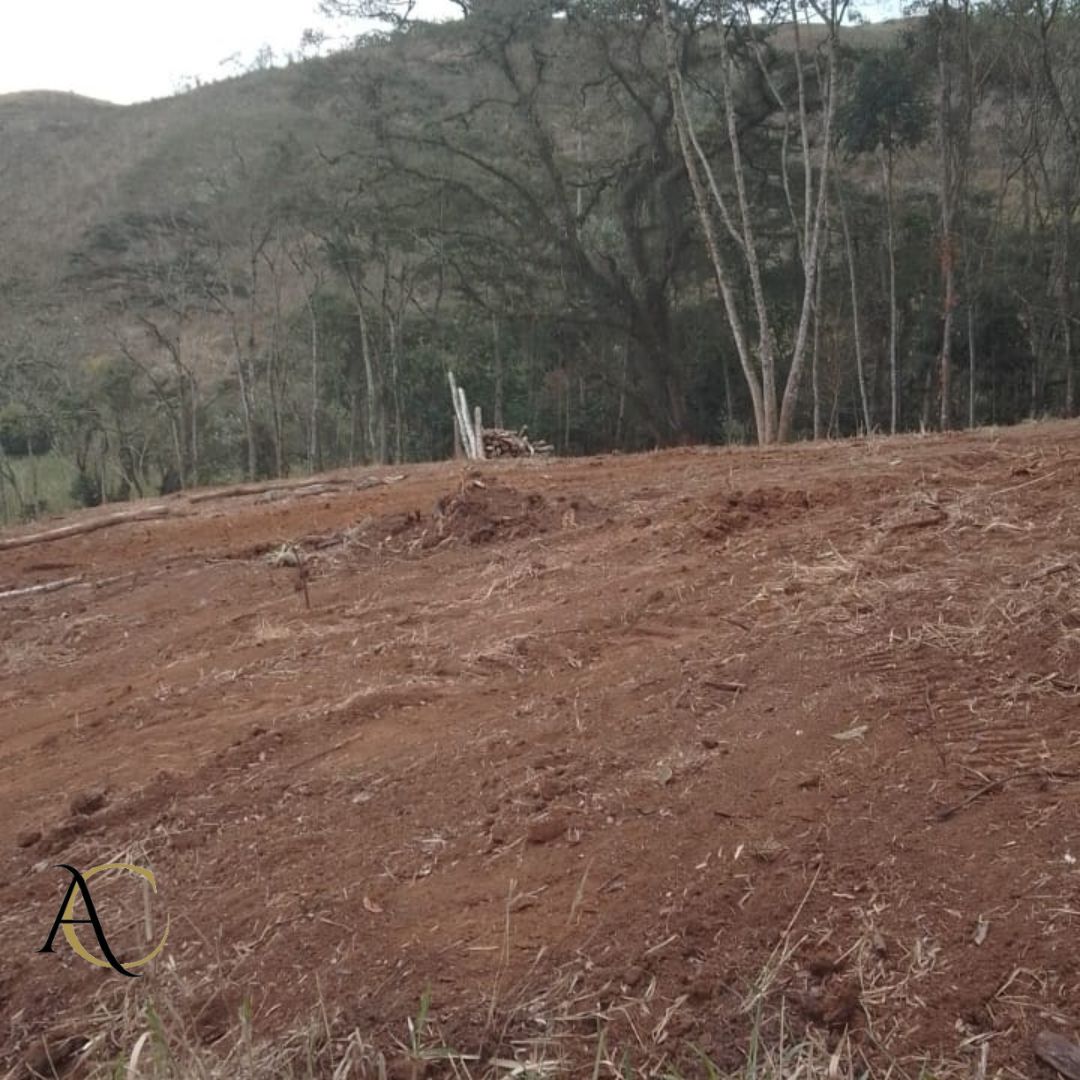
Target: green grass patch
{"x":44,"y":483}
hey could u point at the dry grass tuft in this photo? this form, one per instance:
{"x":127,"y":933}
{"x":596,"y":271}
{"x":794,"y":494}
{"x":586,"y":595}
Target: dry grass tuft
{"x":266,"y":632}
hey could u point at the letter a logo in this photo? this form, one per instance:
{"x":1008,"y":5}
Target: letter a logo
{"x":65,"y":919}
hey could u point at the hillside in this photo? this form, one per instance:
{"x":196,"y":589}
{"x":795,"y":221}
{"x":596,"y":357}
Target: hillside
{"x":277,"y":273}
{"x":70,"y":162}
{"x":572,"y":768}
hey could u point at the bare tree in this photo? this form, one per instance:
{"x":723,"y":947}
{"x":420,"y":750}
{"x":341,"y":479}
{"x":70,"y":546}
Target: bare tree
{"x":774,"y":419}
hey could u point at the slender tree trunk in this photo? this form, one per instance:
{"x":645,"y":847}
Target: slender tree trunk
{"x":820,"y":214}
{"x":764,"y":416}
{"x":818,"y":314}
{"x":856,"y":315}
{"x":354,"y":422}
{"x":35,"y":492}
{"x":954,"y":38}
{"x":927,"y":399}
{"x":314,"y":449}
{"x":394,"y":330}
{"x":971,"y":358}
{"x":178,"y":449}
{"x":194,"y":407}
{"x":972,"y":287}
{"x":623,"y":370}
{"x":277,"y":378}
{"x":945,"y":193}
{"x":276,"y":414}
{"x":832,"y":430}
{"x":946,"y":327}
{"x":302,"y":262}
{"x":729,"y":401}
{"x":566,"y":418}
{"x":5,"y":471}
{"x":894,"y":314}
{"x":1033,"y":392}
{"x":370,"y":390}
{"x":247,"y":408}
{"x":766,"y":342}
{"x":1070,"y":369}
{"x":1064,"y":305}
{"x":497,"y":410}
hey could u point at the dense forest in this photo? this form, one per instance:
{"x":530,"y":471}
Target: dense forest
{"x":623,"y":224}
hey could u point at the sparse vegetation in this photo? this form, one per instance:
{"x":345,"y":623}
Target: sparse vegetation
{"x":705,"y":762}
{"x":273,"y":274}
{"x":151,"y":1034}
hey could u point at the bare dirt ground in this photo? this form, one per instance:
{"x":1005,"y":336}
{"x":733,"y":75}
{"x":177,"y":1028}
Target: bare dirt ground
{"x":620,"y":759}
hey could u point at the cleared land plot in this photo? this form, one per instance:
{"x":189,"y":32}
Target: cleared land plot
{"x":615,"y":757}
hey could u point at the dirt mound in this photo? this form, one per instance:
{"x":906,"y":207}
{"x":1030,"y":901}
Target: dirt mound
{"x":487,"y":511}
{"x":483,"y":510}
{"x":728,"y":512}
{"x":744,"y":509}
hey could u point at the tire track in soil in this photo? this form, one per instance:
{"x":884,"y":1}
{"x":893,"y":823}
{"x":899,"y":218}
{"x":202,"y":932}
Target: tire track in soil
{"x":948,"y":702}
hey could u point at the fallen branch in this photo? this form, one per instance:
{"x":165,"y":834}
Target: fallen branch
{"x":996,"y":785}
{"x":325,"y":487}
{"x":931,"y":517}
{"x":1059,"y":1052}
{"x":730,"y":686}
{"x":1057,"y":568}
{"x":306,"y":486}
{"x":1026,"y":483}
{"x":47,"y":587}
{"x":149,"y":513}
{"x":297,"y":493}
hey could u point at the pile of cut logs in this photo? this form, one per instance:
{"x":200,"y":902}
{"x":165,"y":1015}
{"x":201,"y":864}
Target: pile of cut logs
{"x":479,"y":442}
{"x":499,"y":442}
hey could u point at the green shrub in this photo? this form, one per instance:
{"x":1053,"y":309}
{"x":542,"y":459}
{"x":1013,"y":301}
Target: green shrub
{"x":86,"y":489}
{"x":21,"y":432}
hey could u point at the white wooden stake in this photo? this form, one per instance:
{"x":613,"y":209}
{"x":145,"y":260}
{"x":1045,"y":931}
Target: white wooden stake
{"x":479,"y":434}
{"x":462,"y":426}
{"x":466,"y":424}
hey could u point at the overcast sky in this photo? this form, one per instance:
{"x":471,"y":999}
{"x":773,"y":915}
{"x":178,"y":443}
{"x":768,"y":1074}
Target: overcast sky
{"x":133,"y":50}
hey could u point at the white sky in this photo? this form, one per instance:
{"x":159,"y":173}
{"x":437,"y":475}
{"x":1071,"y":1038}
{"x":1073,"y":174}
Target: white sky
{"x":133,"y":50}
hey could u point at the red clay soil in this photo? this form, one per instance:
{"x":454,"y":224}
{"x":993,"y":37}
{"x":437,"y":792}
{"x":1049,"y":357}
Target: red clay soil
{"x":666,"y":741}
